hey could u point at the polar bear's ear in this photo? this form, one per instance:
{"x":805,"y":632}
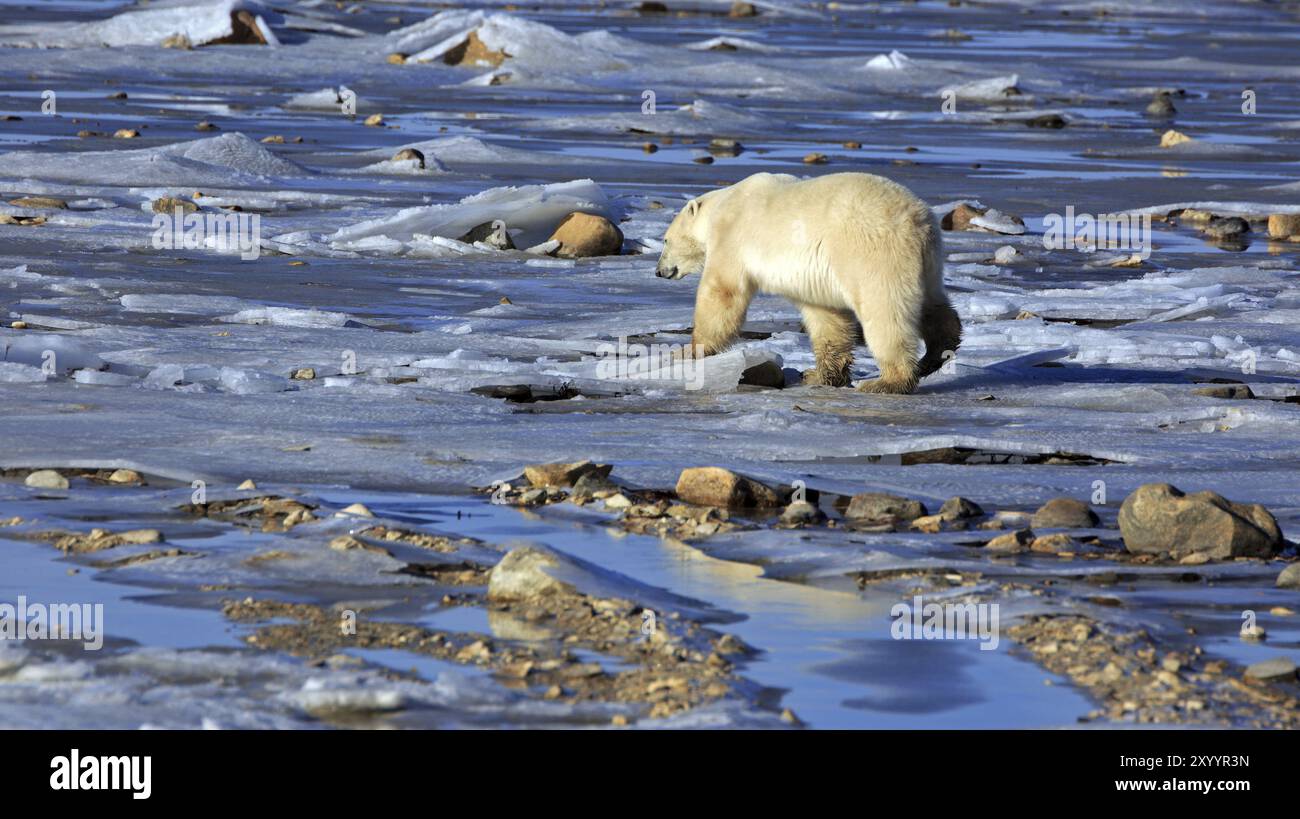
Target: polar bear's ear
{"x":693,"y":207}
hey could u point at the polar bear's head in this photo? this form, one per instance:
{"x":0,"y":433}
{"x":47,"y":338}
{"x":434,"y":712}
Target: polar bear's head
{"x":684,"y":243}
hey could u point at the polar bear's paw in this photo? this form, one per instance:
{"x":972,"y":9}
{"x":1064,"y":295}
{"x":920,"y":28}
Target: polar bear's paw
{"x":823,"y":378}
{"x":883,"y":386}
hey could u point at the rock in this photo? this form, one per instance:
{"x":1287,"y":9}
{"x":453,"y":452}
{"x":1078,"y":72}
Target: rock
{"x":40,"y":203}
{"x":397,"y":58}
{"x":764,"y":374}
{"x":493,"y":234}
{"x":169,"y":204}
{"x":1226,"y":227}
{"x":959,"y":507}
{"x":358,"y":509}
{"x":652,"y":7}
{"x":1064,"y":513}
{"x":125,"y":133}
{"x":1194,"y":215}
{"x":1278,"y":669}
{"x":650,"y":148}
{"x":473,"y":52}
{"x":739,"y":9}
{"x":1011,"y":543}
{"x":125,"y":476}
{"x":409,"y":153}
{"x":180,"y":41}
{"x":248,"y":484}
{"x":852,"y":145}
{"x":715,"y":486}
{"x":564,"y":474}
{"x":802,"y":512}
{"x":1283,"y":225}
{"x":1158,"y":518}
{"x":815,"y":158}
{"x":140,"y":537}
{"x":995,"y":221}
{"x":375,"y":120}
{"x":1289,"y":578}
{"x":703,"y":160}
{"x":1161,"y":105}
{"x":594,"y":485}
{"x":520,"y":576}
{"x":1005,"y":255}
{"x":725,"y":147}
{"x":930,"y":524}
{"x":880,"y":506}
{"x":1238,"y":391}
{"x":244,"y":30}
{"x":585,"y":234}
{"x":1171,"y":138}
{"x":1054,"y":543}
{"x":618,"y":501}
{"x":46,"y":479}
{"x":959,"y":217}
{"x":304,"y":374}
{"x":1054,"y":121}
{"x":206,"y":126}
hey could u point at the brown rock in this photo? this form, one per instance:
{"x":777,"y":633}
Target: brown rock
{"x":959,"y":217}
{"x":1011,"y":542}
{"x":521,"y":575}
{"x":880,"y":506}
{"x":1064,"y":513}
{"x":715,"y":486}
{"x":1237,"y":391}
{"x":409,"y":153}
{"x":739,"y":9}
{"x":1158,"y":518}
{"x":585,"y":234}
{"x":168,"y":204}
{"x":1053,"y":544}
{"x":473,"y":52}
{"x":244,"y":30}
{"x":125,"y":133}
{"x":564,"y":474}
{"x":40,"y":202}
{"x":958,"y":507}
{"x":1283,"y":225}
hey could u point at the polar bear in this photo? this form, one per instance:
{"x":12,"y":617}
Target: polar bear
{"x":846,"y":248}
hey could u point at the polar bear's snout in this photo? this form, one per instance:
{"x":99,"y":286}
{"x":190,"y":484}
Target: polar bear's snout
{"x":666,"y":272}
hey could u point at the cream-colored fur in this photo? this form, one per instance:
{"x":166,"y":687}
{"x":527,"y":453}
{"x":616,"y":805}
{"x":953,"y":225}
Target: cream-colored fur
{"x":844,"y":247}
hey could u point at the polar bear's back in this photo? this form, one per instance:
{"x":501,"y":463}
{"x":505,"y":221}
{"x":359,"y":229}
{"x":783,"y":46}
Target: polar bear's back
{"x":804,"y":238}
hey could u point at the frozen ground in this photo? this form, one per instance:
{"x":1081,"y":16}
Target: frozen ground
{"x":177,"y":363}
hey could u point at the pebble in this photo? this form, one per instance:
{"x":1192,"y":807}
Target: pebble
{"x":46,"y":479}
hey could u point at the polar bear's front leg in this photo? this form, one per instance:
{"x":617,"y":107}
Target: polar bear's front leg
{"x":720,"y":307}
{"x":833,"y":333}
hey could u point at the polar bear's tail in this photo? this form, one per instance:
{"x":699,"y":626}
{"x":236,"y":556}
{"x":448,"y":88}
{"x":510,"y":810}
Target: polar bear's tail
{"x":940,"y":324}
